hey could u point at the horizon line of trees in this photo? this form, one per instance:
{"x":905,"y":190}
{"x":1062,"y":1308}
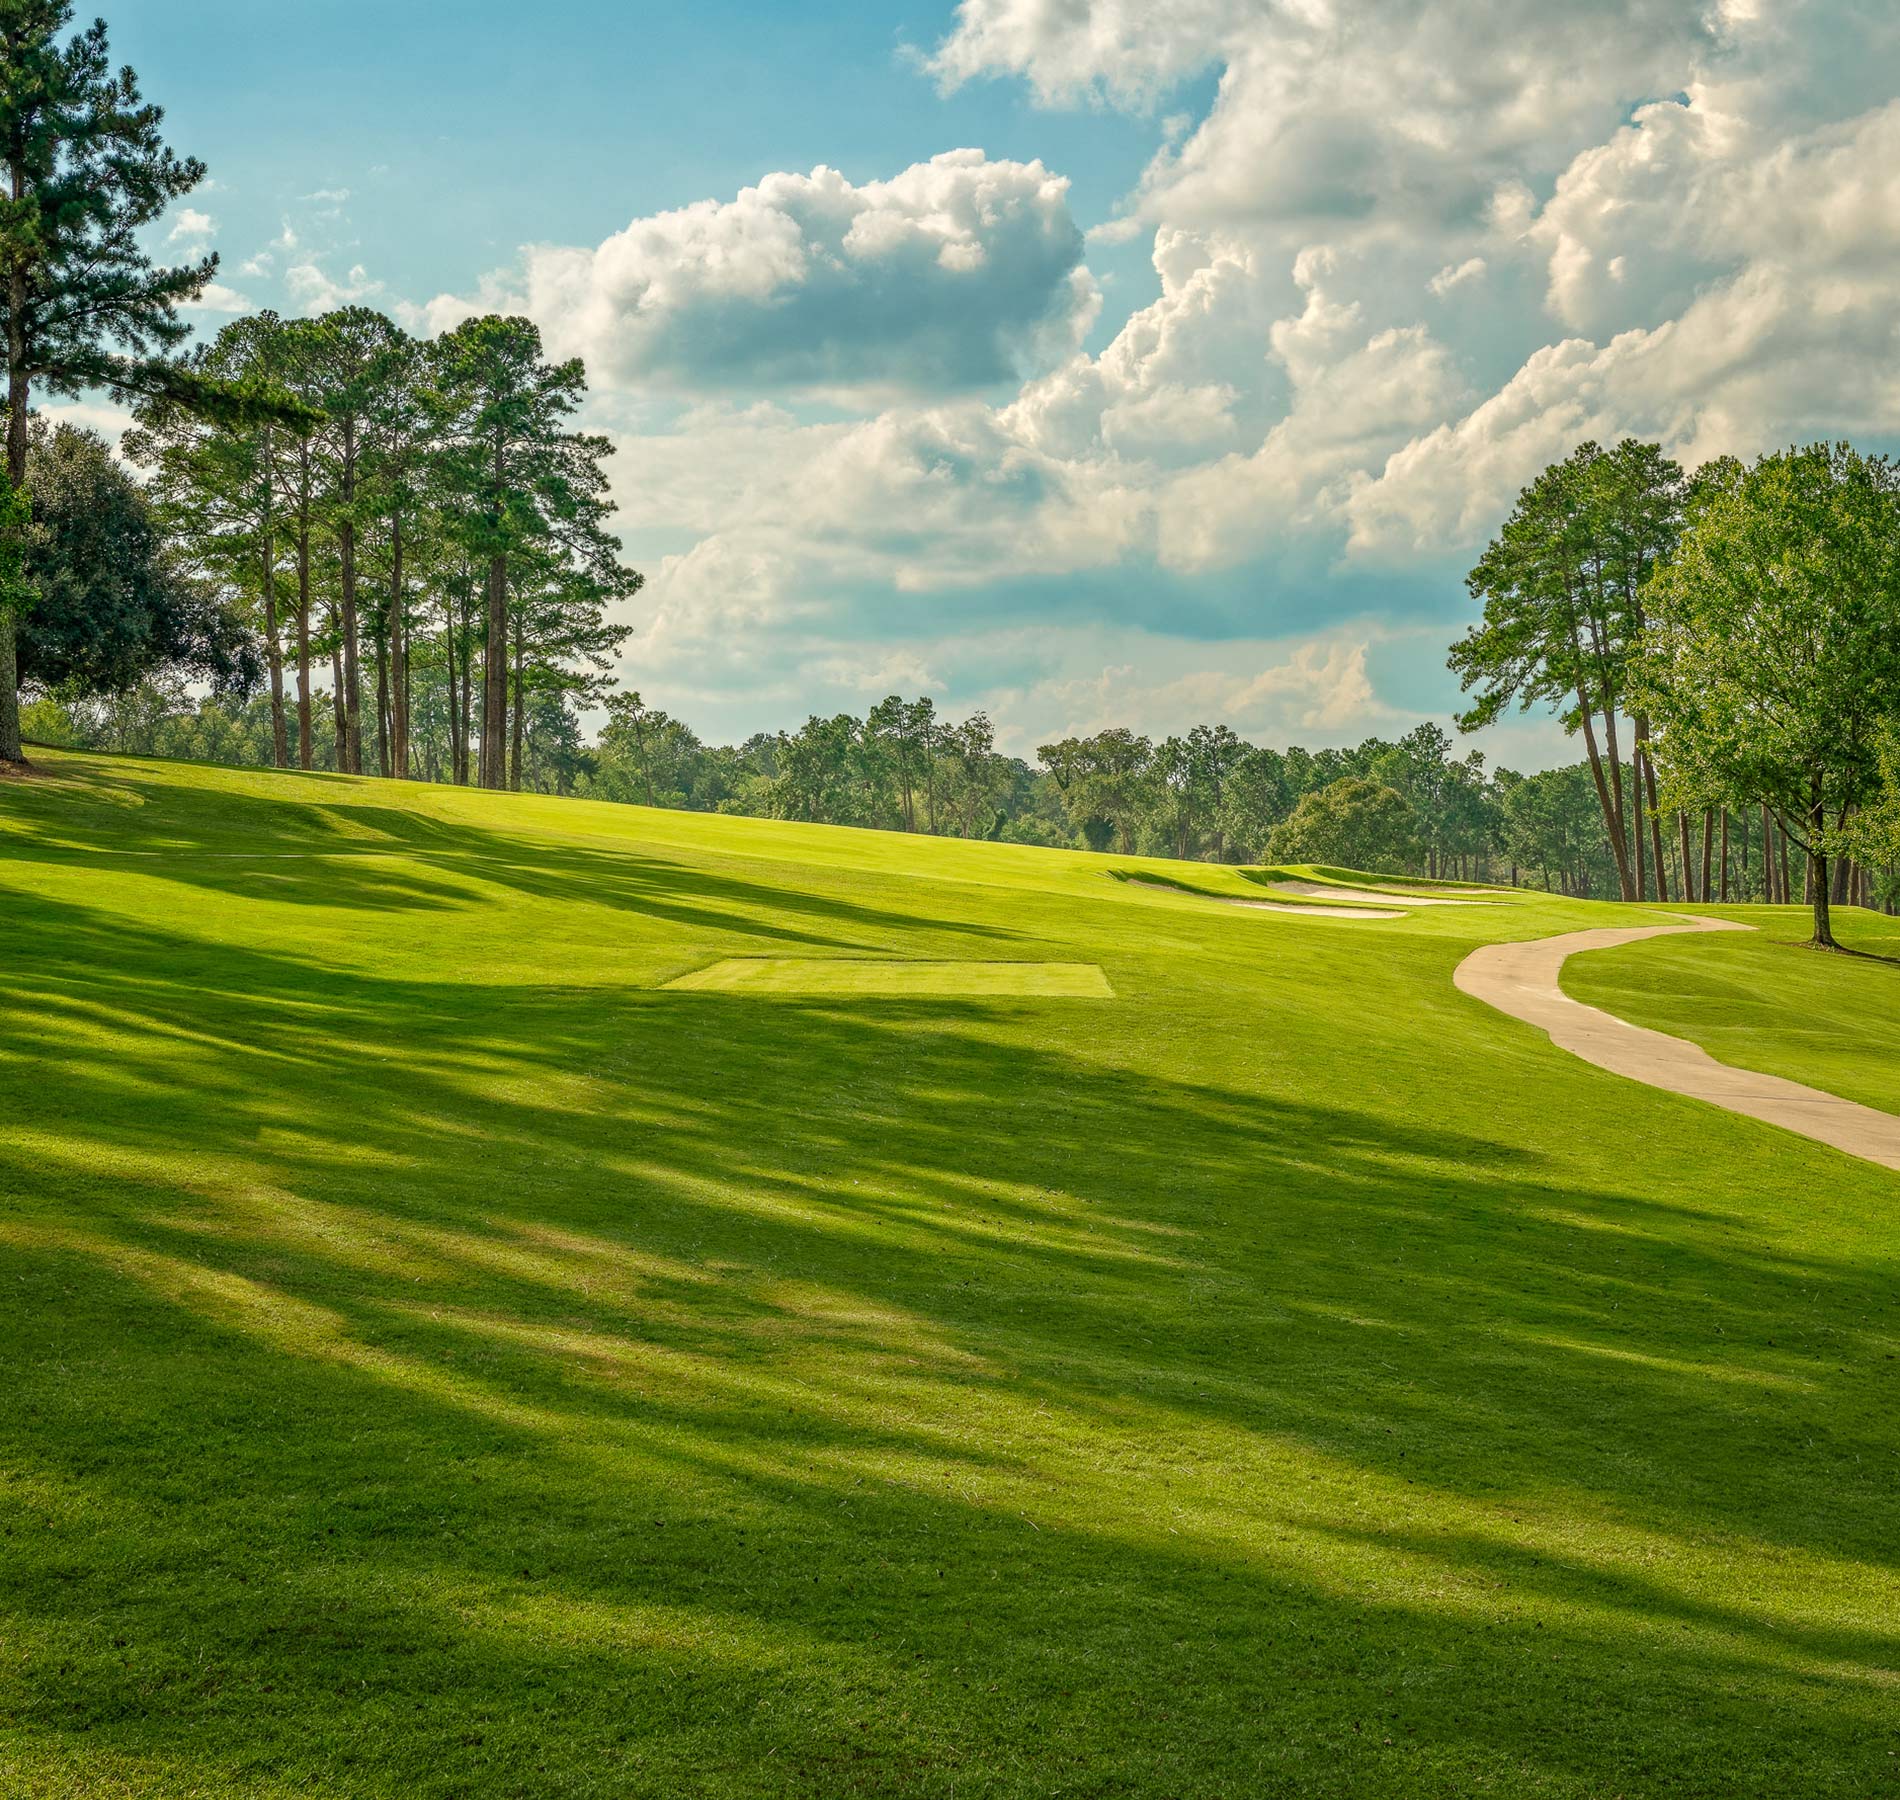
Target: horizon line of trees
{"x":1405,"y":807}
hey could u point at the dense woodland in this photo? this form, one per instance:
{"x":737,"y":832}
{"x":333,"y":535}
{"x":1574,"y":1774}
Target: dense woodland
{"x":329,"y":545}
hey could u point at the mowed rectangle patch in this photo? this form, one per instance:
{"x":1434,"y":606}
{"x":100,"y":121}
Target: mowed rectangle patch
{"x":867,"y":979}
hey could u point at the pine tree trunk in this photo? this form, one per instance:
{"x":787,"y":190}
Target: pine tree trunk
{"x":515,"y":729}
{"x":352,"y":675}
{"x":398,"y":658}
{"x":10,"y":746}
{"x":1639,"y":834}
{"x":1612,"y":804}
{"x":382,"y":706}
{"x":453,"y":724}
{"x":1725,"y":855}
{"x":19,"y":397}
{"x":1647,"y":805}
{"x":1619,"y":837}
{"x":1842,"y":869}
{"x":337,"y":706}
{"x":305,"y":725}
{"x":274,"y":648}
{"x":1817,"y":867}
{"x":494,"y":769}
{"x":466,"y":651}
{"x":1682,"y":849}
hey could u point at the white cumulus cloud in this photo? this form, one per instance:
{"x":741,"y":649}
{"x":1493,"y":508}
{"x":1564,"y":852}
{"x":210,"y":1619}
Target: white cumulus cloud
{"x":955,"y":274}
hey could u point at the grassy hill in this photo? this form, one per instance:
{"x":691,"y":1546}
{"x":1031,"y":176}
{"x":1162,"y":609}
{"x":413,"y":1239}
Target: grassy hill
{"x":439,"y":1357}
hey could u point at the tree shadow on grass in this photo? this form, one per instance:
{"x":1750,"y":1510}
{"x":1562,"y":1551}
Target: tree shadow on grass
{"x":444,"y":1390}
{"x":354,"y":852}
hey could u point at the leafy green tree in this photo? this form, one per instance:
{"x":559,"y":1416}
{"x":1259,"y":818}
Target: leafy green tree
{"x":1551,"y":822}
{"x":1562,"y":586}
{"x":84,"y":171}
{"x":1456,"y":810}
{"x":1181,"y":804}
{"x":1215,"y":752}
{"x":352,"y":355}
{"x":218,"y":488}
{"x":1354,"y":824}
{"x":907,"y":731}
{"x":299,"y":363}
{"x":108,"y":603}
{"x":396,"y":493}
{"x":1873,"y":834}
{"x":644,"y":756}
{"x":562,"y":645}
{"x":978,"y":777}
{"x":1257,"y":795}
{"x":518,"y":483}
{"x":1772,"y":659}
{"x":817,"y":777}
{"x":1106,"y":782}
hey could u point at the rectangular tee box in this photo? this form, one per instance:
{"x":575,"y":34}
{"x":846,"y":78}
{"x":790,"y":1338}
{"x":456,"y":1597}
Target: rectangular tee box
{"x":859,"y":978}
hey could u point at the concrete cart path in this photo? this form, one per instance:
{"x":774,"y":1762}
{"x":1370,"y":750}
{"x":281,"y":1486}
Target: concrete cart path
{"x":1522,"y":980}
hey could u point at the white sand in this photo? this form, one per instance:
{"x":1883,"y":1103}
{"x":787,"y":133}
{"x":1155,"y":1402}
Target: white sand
{"x":1304,"y":912}
{"x":1317,"y":891}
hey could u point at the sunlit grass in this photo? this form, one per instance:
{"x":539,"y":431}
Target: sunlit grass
{"x":439,"y":1359}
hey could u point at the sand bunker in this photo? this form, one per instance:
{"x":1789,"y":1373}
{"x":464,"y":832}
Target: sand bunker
{"x":1274,"y":906}
{"x":1318,"y":891}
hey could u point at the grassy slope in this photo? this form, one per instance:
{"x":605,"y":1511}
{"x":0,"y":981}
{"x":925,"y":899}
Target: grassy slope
{"x":1765,"y":1000}
{"x":436,"y":1362}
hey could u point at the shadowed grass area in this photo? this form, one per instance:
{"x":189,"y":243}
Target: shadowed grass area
{"x":440,"y":1360}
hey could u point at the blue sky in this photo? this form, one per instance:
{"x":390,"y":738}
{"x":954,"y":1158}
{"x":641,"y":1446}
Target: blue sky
{"x":1087,"y":361}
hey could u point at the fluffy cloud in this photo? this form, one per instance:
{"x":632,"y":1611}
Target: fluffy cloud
{"x":1410,"y":251}
{"x":1741,"y":287}
{"x":192,"y":230}
{"x":1318,"y":689}
{"x":959,"y":273}
{"x":1720,"y":268}
{"x":215,"y":297}
{"x":314,"y":290}
{"x":1344,"y":114}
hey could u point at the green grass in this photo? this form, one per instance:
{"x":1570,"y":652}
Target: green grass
{"x":866,"y":978}
{"x":438,"y":1359}
{"x":1764,"y":1000}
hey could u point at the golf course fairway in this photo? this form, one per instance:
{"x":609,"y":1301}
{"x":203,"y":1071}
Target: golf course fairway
{"x":485,"y":1311}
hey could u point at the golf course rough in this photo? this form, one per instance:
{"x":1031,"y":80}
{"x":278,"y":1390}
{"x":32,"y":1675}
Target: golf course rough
{"x":437,"y":1358}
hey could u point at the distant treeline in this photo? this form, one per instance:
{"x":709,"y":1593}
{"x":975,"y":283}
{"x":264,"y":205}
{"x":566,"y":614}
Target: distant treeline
{"x":1404,"y":807}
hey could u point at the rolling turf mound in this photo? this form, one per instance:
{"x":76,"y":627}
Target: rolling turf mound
{"x":508,"y":1296}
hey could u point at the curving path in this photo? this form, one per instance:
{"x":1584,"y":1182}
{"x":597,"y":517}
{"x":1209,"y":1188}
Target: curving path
{"x":1522,"y":980}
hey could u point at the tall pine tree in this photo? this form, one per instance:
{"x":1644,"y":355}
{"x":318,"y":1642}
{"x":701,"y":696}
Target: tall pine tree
{"x":220,"y":488}
{"x":81,"y":304}
{"x":521,"y":488}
